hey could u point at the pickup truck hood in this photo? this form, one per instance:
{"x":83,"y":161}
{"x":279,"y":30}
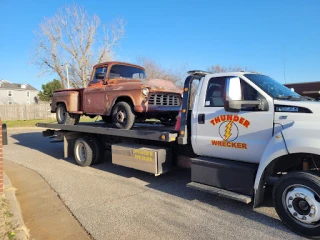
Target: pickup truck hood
{"x":162,"y":85}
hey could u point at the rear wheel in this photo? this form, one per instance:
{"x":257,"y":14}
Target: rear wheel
{"x":64,"y":117}
{"x":98,"y":149}
{"x":123,"y":116}
{"x":296,"y":199}
{"x":84,"y":152}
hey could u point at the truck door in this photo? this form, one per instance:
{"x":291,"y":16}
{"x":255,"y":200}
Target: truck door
{"x":241,"y":136}
{"x":95,"y":93}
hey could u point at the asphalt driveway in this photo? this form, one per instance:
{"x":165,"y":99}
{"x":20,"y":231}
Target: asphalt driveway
{"x":113,"y":202}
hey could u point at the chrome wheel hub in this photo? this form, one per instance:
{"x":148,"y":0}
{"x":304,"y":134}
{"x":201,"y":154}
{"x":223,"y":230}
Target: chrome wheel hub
{"x":62,"y":114}
{"x":81,"y":152}
{"x":303,"y":204}
{"x":121,"y":116}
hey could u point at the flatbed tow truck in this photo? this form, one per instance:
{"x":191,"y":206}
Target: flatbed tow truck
{"x":244,"y":129}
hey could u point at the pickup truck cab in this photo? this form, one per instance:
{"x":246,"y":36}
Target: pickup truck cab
{"x":120,"y":93}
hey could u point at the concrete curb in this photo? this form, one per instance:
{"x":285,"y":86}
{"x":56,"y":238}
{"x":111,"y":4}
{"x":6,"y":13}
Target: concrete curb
{"x":44,"y":213}
{"x":21,"y":231}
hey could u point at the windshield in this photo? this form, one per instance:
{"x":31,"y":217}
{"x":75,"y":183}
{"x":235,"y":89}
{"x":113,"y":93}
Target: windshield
{"x":121,"y":71}
{"x":272,"y":87}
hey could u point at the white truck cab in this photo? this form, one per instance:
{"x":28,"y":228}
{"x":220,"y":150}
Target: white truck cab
{"x":247,"y":129}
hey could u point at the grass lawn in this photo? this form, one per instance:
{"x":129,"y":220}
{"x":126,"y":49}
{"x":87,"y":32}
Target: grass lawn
{"x":32,"y":123}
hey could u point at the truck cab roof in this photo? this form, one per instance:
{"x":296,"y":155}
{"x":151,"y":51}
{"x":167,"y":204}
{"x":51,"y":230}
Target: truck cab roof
{"x":109,"y":63}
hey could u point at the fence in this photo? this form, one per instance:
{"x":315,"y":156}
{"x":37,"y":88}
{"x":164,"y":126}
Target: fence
{"x":26,"y":112}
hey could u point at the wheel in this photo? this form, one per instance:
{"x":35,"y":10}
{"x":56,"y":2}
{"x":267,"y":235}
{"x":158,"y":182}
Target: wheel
{"x":122,"y":116}
{"x":296,"y":198}
{"x":98,"y":149}
{"x":107,"y":119}
{"x":84,"y":152}
{"x":64,"y":117}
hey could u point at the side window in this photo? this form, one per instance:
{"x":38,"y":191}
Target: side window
{"x":99,"y":70}
{"x":215,"y":92}
{"x":249,"y":94}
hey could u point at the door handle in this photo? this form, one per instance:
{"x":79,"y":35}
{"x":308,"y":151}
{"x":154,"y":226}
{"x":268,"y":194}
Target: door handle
{"x":201,"y":118}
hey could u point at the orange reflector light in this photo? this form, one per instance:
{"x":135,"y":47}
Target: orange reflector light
{"x":186,"y":89}
{"x":181,"y":132}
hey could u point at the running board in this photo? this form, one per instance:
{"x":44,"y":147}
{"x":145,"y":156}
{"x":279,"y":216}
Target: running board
{"x":220,"y":192}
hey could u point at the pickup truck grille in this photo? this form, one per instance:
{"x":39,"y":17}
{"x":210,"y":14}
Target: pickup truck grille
{"x":159,"y":99}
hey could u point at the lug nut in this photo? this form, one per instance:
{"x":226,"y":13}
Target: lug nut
{"x":289,"y":206}
{"x":304,"y":218}
{"x":306,"y":198}
{"x":311,"y":215}
{"x":290,"y":198}
{"x":295,"y":214}
{"x":297,"y":195}
{"x":312,"y":206}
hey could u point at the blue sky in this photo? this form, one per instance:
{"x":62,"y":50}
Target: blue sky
{"x":196,"y":33}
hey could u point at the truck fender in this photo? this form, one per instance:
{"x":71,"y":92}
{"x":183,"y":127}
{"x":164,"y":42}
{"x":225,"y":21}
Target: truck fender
{"x":116,"y":99}
{"x":54,"y":105}
{"x":308,"y":140}
{"x":275,"y":149}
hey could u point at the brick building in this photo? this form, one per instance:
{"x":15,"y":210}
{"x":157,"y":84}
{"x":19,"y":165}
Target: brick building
{"x":309,"y":89}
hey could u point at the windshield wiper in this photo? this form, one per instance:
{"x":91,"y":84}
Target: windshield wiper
{"x":290,"y":97}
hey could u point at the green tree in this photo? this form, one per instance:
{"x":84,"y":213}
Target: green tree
{"x":48,"y":89}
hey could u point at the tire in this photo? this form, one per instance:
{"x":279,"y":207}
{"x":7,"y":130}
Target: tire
{"x":84,"y":152}
{"x":292,"y":206}
{"x":98,"y":149}
{"x":107,"y":119}
{"x":64,"y":117}
{"x":123,"y":116}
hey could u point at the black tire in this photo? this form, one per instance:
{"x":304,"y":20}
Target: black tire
{"x":123,"y":116}
{"x":289,"y":195}
{"x":84,"y":152}
{"x":98,"y":152}
{"x":64,"y":117}
{"x":107,"y":119}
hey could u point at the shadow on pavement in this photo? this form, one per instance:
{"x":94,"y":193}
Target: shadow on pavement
{"x":173,"y":183}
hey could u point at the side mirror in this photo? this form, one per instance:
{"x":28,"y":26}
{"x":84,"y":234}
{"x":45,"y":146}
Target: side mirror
{"x":233,"y":101}
{"x":99,"y":75}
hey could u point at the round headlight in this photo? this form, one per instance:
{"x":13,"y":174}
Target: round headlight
{"x":145,"y":91}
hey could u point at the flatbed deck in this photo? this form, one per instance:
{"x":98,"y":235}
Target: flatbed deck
{"x":155,"y":132}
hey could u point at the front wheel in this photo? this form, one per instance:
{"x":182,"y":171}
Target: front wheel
{"x":296,"y":198}
{"x":123,"y":116}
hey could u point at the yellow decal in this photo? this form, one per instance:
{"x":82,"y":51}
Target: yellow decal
{"x":143,"y":155}
{"x":229,"y":131}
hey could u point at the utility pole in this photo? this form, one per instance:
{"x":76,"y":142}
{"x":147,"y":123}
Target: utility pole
{"x":67,"y":75}
{"x":284,"y":66}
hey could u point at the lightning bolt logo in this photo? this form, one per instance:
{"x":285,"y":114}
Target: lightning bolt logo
{"x":228,"y":133}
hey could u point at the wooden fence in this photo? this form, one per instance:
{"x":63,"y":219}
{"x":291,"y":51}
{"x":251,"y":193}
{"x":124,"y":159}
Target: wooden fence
{"x":26,"y":112}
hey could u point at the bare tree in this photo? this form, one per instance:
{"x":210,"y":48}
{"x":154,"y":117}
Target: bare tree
{"x":218,"y":69}
{"x":154,"y":70}
{"x":71,"y":37}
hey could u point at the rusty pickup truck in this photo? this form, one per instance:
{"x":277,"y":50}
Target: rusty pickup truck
{"x":121,"y":94}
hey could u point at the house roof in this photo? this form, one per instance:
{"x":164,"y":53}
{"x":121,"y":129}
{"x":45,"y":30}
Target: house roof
{"x":4,"y":84}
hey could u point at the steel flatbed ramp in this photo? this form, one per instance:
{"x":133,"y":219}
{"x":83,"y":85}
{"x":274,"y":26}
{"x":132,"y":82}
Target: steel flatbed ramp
{"x":140,"y":131}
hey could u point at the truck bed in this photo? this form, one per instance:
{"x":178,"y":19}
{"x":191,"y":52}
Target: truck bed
{"x":155,"y":132}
